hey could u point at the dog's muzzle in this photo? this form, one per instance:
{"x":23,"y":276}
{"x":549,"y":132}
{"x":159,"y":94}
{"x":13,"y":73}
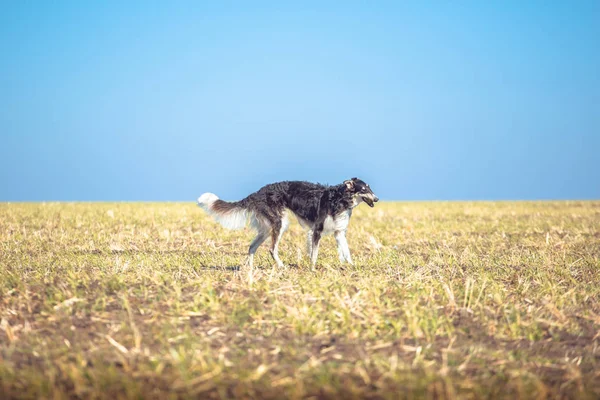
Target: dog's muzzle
{"x":371,"y":200}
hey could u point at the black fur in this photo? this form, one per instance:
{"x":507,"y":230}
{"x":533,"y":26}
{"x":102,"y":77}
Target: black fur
{"x":309,"y":201}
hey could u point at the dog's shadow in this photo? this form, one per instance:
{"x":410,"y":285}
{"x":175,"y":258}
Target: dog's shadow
{"x":136,"y":252}
{"x":230,"y":268}
{"x":195,"y":253}
{"x":237,"y":268}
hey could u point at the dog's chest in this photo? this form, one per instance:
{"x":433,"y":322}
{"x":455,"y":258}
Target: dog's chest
{"x":337,"y":223}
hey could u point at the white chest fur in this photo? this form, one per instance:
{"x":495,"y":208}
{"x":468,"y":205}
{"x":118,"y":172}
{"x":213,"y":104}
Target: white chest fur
{"x":337,"y":223}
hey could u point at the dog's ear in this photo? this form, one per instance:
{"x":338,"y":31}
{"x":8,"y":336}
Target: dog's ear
{"x":354,"y":179}
{"x":349,"y":184}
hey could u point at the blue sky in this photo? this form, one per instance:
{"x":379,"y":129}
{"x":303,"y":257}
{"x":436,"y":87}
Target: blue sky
{"x":425,"y":100}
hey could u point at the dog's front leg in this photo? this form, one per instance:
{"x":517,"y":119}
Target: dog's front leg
{"x":343,"y":250}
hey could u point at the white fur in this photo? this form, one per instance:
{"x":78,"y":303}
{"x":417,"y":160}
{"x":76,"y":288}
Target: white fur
{"x":235,"y":219}
{"x":343,"y":250}
{"x":338,"y":223}
{"x":207,"y":199}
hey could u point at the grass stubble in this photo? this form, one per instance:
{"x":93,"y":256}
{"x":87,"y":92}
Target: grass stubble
{"x":445,"y":300}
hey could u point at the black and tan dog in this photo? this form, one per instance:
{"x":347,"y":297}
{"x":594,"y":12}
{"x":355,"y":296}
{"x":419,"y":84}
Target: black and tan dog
{"x":320,"y":209}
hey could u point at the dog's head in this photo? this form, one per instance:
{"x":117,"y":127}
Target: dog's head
{"x":361,"y":191}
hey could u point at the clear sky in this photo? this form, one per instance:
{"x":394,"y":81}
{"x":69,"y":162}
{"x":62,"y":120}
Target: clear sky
{"x":112,"y":100}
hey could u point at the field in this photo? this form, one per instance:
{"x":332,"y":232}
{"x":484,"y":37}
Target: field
{"x":445,"y":300}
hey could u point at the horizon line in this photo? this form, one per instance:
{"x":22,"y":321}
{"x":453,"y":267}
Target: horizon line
{"x":382,"y":200}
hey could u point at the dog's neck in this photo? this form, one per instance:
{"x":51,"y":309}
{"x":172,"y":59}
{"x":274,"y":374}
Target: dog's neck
{"x":346,"y":200}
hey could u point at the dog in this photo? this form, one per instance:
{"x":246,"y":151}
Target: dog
{"x":320,"y":209}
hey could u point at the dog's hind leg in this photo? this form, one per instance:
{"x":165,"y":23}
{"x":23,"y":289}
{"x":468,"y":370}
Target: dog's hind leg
{"x":256,"y":242}
{"x":278,"y":228}
{"x":262,"y":228}
{"x":316,"y":237}
{"x":343,"y":250}
{"x":309,"y":242}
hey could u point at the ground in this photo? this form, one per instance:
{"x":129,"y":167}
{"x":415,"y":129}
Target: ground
{"x":445,"y":300}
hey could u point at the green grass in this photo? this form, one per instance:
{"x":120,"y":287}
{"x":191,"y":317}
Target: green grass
{"x":445,"y":300}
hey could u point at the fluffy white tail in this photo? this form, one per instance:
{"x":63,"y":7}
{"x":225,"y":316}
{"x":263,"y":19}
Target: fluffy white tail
{"x":230,"y":215}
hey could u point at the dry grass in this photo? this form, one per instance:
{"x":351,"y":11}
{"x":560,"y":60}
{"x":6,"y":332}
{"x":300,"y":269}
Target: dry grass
{"x":446,"y":300}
